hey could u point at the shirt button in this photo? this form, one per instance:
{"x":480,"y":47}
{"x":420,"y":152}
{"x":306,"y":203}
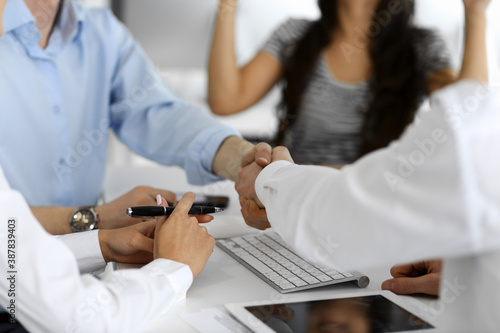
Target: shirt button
{"x":56,"y":109}
{"x":61,"y":161}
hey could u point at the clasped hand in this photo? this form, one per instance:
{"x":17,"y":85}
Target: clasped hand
{"x":252,"y":164}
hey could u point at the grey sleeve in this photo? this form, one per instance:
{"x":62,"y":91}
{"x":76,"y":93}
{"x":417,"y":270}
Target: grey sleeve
{"x":284,"y":38}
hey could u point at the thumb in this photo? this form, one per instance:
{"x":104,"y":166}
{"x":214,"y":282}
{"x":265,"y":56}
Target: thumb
{"x":425,"y":284}
{"x":260,"y":153}
{"x":282,"y":154}
{"x":147,"y":228}
{"x":145,"y":244}
{"x":263,"y":154}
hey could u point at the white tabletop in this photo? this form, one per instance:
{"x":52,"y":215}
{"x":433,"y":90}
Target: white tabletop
{"x":223,"y":280}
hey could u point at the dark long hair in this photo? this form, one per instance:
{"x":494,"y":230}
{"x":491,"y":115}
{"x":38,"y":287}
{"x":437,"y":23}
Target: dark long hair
{"x":397,"y":86}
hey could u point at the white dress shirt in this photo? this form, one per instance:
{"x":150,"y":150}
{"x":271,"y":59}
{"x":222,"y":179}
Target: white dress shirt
{"x":52,"y":296}
{"x":433,"y":193}
{"x":86,"y":249}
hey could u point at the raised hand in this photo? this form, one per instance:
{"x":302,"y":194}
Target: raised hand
{"x":479,"y":5}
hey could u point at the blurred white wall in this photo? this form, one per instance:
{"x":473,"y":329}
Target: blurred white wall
{"x":177,"y":33}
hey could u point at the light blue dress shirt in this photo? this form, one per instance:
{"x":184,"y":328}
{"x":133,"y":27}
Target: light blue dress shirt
{"x":58,"y":104}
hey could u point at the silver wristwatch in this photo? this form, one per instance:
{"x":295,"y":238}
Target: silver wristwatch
{"x":83,"y":219}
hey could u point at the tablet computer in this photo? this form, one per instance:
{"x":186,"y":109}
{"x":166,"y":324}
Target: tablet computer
{"x":372,"y":312}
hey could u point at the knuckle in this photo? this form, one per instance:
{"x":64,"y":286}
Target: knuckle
{"x":263,"y":145}
{"x":141,"y":188}
{"x":394,"y":270}
{"x":280,"y":149}
{"x":190,"y":195}
{"x":403,"y":286}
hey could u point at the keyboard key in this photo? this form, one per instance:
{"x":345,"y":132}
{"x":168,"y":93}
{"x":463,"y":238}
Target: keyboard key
{"x":239,"y":240}
{"x":311,"y":280}
{"x":324,"y":278}
{"x":287,"y":286}
{"x":301,"y":283}
{"x":281,"y":281}
{"x":257,"y":265}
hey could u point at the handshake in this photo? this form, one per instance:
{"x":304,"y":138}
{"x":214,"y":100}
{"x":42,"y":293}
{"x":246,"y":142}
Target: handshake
{"x":252,"y":164}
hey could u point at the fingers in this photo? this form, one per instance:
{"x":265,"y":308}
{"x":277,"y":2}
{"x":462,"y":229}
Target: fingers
{"x":140,"y":241}
{"x":185,"y":204}
{"x":161,"y":201}
{"x":147,"y":244}
{"x":146,"y":228}
{"x":261,"y":154}
{"x":417,"y":268}
{"x":169,"y":196}
{"x":426,"y":284}
{"x":281,"y":154}
{"x":254,"y":216}
{"x":406,"y":270}
{"x":204,"y":218}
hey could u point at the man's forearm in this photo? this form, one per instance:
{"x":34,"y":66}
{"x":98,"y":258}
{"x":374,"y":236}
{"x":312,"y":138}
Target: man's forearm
{"x":54,"y":219}
{"x":227,"y":161}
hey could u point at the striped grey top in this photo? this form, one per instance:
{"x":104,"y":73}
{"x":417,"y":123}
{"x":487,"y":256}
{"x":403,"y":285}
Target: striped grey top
{"x":327,"y":129}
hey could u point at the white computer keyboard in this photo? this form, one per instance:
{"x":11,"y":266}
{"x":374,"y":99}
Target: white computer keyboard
{"x":273,"y":261}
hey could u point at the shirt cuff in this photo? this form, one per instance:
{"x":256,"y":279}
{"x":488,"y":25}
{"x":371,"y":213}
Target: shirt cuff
{"x":202,"y":152}
{"x":86,"y":249}
{"x":265,"y":175}
{"x":178,"y":274}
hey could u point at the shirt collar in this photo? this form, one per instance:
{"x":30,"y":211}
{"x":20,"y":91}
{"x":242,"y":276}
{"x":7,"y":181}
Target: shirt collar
{"x":71,"y":20}
{"x":17,"y":14}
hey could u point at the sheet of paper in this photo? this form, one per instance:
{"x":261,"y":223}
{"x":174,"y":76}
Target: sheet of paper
{"x":214,"y":321}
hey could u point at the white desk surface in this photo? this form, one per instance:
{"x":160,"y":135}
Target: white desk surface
{"x":223,"y":280}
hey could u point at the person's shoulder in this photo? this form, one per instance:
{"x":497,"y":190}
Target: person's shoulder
{"x":101,"y":25}
{"x":295,"y":25}
{"x":101,"y":19}
{"x":292,"y":29}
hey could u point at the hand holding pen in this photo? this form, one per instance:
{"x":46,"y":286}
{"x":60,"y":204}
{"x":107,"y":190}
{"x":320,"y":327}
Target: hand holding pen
{"x":163,"y":209}
{"x":180,"y":238}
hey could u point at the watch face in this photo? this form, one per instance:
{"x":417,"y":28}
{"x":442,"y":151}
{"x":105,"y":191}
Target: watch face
{"x":83,"y":219}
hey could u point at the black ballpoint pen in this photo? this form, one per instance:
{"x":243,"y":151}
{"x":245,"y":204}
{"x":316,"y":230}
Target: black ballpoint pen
{"x":151,"y":211}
